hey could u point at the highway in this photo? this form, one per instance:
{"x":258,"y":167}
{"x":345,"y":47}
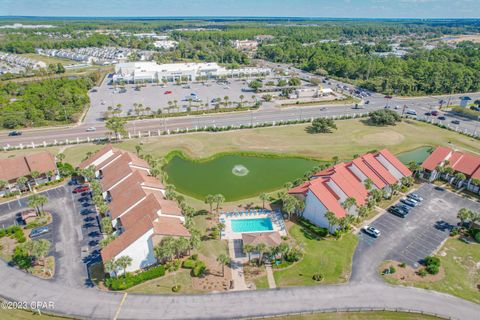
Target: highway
{"x":268,"y":113}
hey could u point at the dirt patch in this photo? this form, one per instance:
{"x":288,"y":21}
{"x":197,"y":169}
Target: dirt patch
{"x":7,"y":246}
{"x":386,"y":137}
{"x":409,"y":274}
{"x":213,"y":279}
{"x":44,"y":269}
{"x":251,"y":271}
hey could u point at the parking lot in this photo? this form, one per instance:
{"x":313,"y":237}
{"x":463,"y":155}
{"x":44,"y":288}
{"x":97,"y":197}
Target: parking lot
{"x":412,"y":238}
{"x":156,"y":96}
{"x":73,"y":233}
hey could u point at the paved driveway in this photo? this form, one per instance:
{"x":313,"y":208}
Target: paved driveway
{"x":66,"y":235}
{"x":412,"y":238}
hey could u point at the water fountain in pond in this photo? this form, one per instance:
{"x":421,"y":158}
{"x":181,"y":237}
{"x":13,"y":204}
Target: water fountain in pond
{"x":240,"y":170}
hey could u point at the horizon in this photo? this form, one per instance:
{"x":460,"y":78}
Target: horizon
{"x":304,"y":9}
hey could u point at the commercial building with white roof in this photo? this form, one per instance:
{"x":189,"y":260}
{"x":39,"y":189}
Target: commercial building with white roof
{"x":133,"y":72}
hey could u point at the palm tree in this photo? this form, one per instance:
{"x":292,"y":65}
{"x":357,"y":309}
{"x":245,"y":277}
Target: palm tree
{"x":460,"y":176}
{"x":210,"y":200}
{"x":224,"y":260}
{"x":165,"y":249}
{"x":368,"y":183}
{"x":181,"y":246}
{"x":195,"y":239}
{"x":241,"y":99}
{"x":40,"y":250}
{"x":124,"y":262}
{"x":464,"y":214}
{"x":349,"y":202}
{"x":37,"y":202}
{"x":219,"y":199}
{"x":106,"y":224}
{"x":138,"y":148}
{"x":226,"y":98}
{"x":35,"y":175}
{"x":248,"y":249}
{"x":21,"y":181}
{"x":362,"y":211}
{"x":332,"y":220}
{"x":3,"y":184}
{"x":264,"y":197}
{"x":260,"y":248}
{"x":283,"y":249}
{"x":61,"y":157}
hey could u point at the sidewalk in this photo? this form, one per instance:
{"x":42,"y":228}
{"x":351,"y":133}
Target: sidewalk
{"x":271,"y":279}
{"x":237,"y":268}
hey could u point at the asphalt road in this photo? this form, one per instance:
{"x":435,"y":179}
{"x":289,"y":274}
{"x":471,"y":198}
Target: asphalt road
{"x":267,"y":113}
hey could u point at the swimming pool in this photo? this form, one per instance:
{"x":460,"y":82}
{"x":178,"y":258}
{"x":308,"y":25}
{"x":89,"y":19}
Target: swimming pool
{"x":252,"y":225}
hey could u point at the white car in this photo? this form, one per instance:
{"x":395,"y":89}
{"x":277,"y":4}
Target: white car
{"x":372,"y":231}
{"x":91,"y":129}
{"x":412,"y":112}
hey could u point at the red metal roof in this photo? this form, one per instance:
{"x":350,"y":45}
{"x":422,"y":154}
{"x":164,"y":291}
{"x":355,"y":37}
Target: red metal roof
{"x":325,"y":196}
{"x":467,"y":164}
{"x":395,"y":162}
{"x":379,"y":169}
{"x":437,"y":157}
{"x":361,"y":165}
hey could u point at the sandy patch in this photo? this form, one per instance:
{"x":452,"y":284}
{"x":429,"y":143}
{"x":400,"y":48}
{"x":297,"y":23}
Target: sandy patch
{"x":212,"y":280}
{"x":386,"y":137}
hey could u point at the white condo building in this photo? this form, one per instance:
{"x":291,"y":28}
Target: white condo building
{"x":133,"y":72}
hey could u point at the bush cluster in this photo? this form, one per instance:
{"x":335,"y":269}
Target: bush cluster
{"x":198,"y":267}
{"x":320,"y":232}
{"x":432,"y":264}
{"x":14,"y":232}
{"x":130,"y":280}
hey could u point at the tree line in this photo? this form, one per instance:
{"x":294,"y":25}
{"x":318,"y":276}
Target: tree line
{"x":57,"y":100}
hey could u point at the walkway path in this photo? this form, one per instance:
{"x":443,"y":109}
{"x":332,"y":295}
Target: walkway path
{"x":270,"y":277}
{"x":237,"y":267}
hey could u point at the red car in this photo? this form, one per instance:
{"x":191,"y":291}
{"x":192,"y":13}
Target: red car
{"x":168,"y":92}
{"x":81,"y":189}
{"x":434,"y":113}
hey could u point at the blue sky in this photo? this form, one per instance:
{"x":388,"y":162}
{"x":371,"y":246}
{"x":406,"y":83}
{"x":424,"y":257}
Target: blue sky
{"x":298,"y":8}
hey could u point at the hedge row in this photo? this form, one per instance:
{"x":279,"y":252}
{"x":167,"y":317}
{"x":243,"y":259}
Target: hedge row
{"x":130,"y":280}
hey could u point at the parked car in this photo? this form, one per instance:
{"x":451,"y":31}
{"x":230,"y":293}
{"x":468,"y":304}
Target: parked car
{"x":397,"y":211}
{"x":81,"y":189}
{"x":403,"y":207}
{"x":456,"y":121}
{"x":415,"y":197}
{"x":409,"y":202}
{"x":91,"y":129}
{"x":168,"y":92}
{"x":388,"y":97}
{"x":434,"y":113}
{"x":442,"y":118}
{"x":14,"y":133}
{"x":371,"y":231}
{"x":412,"y":112}
{"x":428,"y":114}
{"x":367,"y":102}
{"x":39,"y":231}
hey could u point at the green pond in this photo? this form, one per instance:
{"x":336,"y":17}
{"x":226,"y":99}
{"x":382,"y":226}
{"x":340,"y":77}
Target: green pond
{"x":235,"y":176}
{"x":418,"y":155}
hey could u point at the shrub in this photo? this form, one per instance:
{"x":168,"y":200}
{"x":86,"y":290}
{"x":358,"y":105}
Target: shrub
{"x":21,"y":258}
{"x":194,"y":256}
{"x":477,"y":236}
{"x":402,"y":265}
{"x":199,"y":269}
{"x":392,"y":270}
{"x":422,"y":272}
{"x":189,"y":264}
{"x":320,"y":232}
{"x":130,"y":280}
{"x":384,"y":117}
{"x":317,"y":277}
{"x":176,"y":288}
{"x":432,"y":269}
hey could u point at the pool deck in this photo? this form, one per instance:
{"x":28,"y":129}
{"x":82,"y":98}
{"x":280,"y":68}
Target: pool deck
{"x":226,"y":218}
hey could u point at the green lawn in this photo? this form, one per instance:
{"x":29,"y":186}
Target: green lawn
{"x":212,"y":247}
{"x":163,"y":285}
{"x":462,"y":274}
{"x":261,"y":282}
{"x":332,"y":258}
{"x":374,"y":315}
{"x":293,"y":140}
